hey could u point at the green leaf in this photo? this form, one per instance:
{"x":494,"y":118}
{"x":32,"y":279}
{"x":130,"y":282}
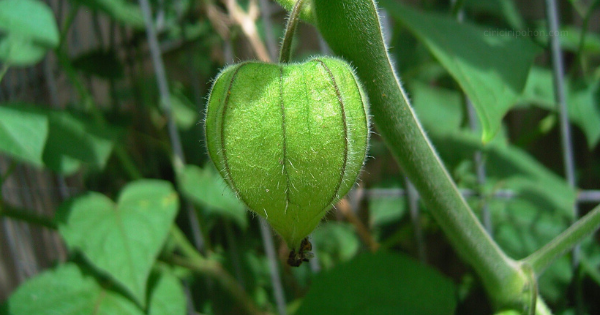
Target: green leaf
{"x":183,"y":112}
{"x":73,"y":141}
{"x":439,"y":110}
{"x":501,"y":8}
{"x":584,"y":110}
{"x":554,"y":282}
{"x":525,"y":223}
{"x":335,"y":242}
{"x":18,"y":51}
{"x":166,"y":295}
{"x":67,"y":290}
{"x":539,"y":89}
{"x":67,"y":141}
{"x":23,"y":134}
{"x":522,"y":226}
{"x":380,"y":283}
{"x":569,"y":37}
{"x":583,"y":101}
{"x":510,"y":168}
{"x":31,"y":19}
{"x":123,"y":11}
{"x":27,"y":38}
{"x":206,"y":188}
{"x":123,"y":239}
{"x":101,"y":63}
{"x":590,"y":259}
{"x":492,"y":70}
{"x":385,"y":210}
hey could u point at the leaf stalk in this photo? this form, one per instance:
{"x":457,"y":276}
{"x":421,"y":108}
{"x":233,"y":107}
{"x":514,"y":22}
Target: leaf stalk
{"x":290,"y":29}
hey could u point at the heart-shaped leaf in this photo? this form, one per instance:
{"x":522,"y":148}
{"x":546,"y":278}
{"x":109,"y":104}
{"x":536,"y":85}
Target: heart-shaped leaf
{"x":67,"y":290}
{"x":31,"y":30}
{"x":23,"y":134}
{"x":59,"y":140}
{"x":74,"y":141}
{"x":207,"y":189}
{"x":123,"y":239}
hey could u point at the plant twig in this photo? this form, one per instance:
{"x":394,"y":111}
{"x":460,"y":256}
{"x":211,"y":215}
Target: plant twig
{"x":67,"y":25}
{"x":584,"y":29}
{"x":363,"y":45}
{"x":196,"y":262}
{"x":121,"y":154}
{"x":213,"y":269}
{"x":290,"y":29}
{"x":186,"y":248}
{"x":307,"y":13}
{"x":265,"y":6}
{"x":247,"y":21}
{"x":3,"y":70}
{"x":343,"y":206}
{"x":219,"y":20}
{"x":26,"y":215}
{"x":544,"y":256}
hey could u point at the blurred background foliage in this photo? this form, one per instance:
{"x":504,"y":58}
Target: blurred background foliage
{"x":102,"y":152}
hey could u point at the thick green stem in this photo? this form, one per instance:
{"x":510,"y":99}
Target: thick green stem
{"x":544,"y":256}
{"x":352,"y":29}
{"x":290,"y":29}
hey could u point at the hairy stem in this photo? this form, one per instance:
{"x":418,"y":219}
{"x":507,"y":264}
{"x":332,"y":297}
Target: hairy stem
{"x":306,"y":13}
{"x":583,"y":227}
{"x":290,"y":30}
{"x":352,"y":29}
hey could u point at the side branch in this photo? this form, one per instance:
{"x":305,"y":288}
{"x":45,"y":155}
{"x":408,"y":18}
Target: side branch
{"x":544,"y":256}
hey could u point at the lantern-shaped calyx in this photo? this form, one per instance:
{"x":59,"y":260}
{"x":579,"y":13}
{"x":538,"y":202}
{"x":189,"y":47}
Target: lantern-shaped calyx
{"x":290,"y":139}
